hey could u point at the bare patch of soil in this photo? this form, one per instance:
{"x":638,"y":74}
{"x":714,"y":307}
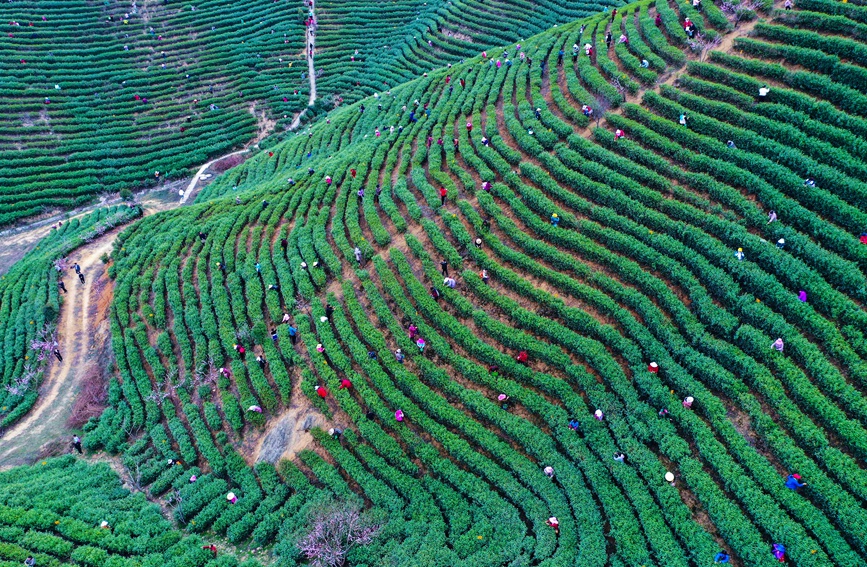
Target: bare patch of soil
{"x":458,"y":35}
{"x":286,"y":435}
{"x":93,"y":393}
{"x":227,"y":163}
{"x":264,"y":124}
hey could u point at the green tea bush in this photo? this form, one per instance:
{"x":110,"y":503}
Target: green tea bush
{"x":550,"y":318}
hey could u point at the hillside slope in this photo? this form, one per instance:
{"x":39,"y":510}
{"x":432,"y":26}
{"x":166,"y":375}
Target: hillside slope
{"x":98,"y":98}
{"x":31,"y":300}
{"x":53,"y":513}
{"x":642,"y":266}
{"x":368,"y":47}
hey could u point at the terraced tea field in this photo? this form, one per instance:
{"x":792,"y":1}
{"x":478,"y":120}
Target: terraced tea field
{"x":610,"y":274}
{"x":104,"y":97}
{"x":53,"y":513}
{"x":30,"y":302}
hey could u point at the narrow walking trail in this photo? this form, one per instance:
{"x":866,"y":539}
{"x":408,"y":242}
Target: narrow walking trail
{"x":77,"y":334}
{"x":310,"y":49}
{"x":265,"y":125}
{"x":191,"y":187}
{"x":82,"y":329}
{"x":311,"y":44}
{"x":16,"y":242}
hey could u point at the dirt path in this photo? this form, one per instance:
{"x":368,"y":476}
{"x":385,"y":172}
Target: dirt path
{"x":265,"y":127}
{"x":309,"y":48}
{"x":17,"y":241}
{"x":742,"y":29}
{"x":83,"y":335}
{"x":46,"y":422}
{"x":191,"y":187}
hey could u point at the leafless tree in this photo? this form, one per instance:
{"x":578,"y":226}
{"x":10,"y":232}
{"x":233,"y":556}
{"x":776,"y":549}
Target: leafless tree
{"x":621,"y":88}
{"x":172,"y":377}
{"x":157,"y":395}
{"x":244,"y":333}
{"x":175,"y":500}
{"x":600,"y":108}
{"x":134,"y":475}
{"x":206,"y":373}
{"x":334,"y":529}
{"x":44,"y":343}
{"x":701,"y":44}
{"x":129,"y":427}
{"x":736,"y":13}
{"x":24,"y":383}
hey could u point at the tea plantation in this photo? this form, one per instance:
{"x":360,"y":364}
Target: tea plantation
{"x":53,"y":513}
{"x":587,"y":298}
{"x":102,"y":97}
{"x":30,"y":297}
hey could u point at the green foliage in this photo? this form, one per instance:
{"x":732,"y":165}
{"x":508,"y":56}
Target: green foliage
{"x":30,"y":303}
{"x":640,"y":267}
{"x":91,"y":134}
{"x":54,"y":509}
